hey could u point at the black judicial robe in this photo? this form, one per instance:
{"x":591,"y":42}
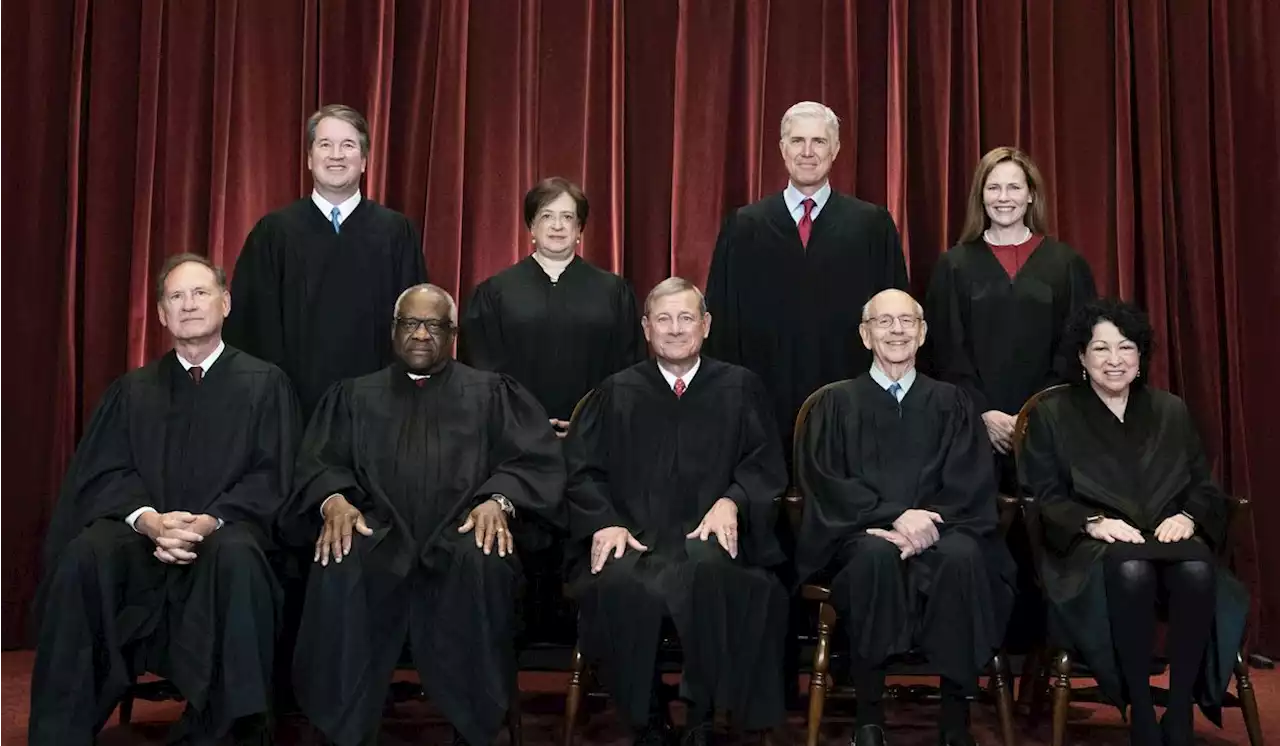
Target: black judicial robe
{"x":226,"y":448}
{"x":998,"y":338}
{"x":864,"y":460}
{"x":1079,"y":460}
{"x":641,"y":458}
{"x":790,"y":314}
{"x":416,"y":460}
{"x":319,"y":303}
{"x":558,"y":339}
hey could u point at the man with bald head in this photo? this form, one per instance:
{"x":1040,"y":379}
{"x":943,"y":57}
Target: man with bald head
{"x":900,"y":520}
{"x":415,"y":486}
{"x":156,"y":558}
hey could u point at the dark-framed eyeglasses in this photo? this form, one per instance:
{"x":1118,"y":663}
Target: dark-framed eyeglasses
{"x":885,"y":321}
{"x":435,"y":327}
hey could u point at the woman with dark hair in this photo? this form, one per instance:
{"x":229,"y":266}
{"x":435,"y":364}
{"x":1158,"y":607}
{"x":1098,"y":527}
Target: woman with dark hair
{"x":553,"y":321}
{"x":559,"y":326}
{"x":1131,"y":521}
{"x":998,"y":300}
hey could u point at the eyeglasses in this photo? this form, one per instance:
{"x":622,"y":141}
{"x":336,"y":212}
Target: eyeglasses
{"x":435,"y":327}
{"x":886,"y":321}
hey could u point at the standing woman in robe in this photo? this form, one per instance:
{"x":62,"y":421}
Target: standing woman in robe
{"x":1000,"y":298}
{"x":559,"y":326}
{"x":1132,"y":521}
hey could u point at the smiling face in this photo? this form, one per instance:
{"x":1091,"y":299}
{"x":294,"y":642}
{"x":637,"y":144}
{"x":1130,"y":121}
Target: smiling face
{"x":423,"y":330}
{"x":675,"y":327}
{"x":192,"y":306}
{"x":1006,"y":195}
{"x":809,"y":149}
{"x":555,"y":228}
{"x":893,"y":329}
{"x":1111,"y":359}
{"x":335,"y":158}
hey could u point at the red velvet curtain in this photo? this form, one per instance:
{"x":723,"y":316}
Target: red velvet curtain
{"x":141,"y":128}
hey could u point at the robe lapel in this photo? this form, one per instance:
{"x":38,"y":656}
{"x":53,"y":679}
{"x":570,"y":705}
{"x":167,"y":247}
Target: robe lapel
{"x":782,"y":226}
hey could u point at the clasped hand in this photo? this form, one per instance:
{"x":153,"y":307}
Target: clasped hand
{"x":913,"y":532}
{"x":176,"y":534}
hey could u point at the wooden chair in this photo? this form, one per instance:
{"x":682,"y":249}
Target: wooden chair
{"x":1061,"y":661}
{"x":821,"y":684}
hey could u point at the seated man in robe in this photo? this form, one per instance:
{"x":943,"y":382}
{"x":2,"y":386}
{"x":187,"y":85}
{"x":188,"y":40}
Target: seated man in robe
{"x":155,"y":556}
{"x":409,"y":484}
{"x":674,"y":467}
{"x":900,"y":520}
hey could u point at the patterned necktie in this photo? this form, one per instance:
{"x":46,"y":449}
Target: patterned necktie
{"x":334,"y":214}
{"x":679,"y":387}
{"x":806,"y":222}
{"x":196,"y":373}
{"x":895,"y":388}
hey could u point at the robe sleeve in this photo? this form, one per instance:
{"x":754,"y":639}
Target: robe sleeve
{"x":256,"y":322}
{"x":587,"y":456}
{"x":1203,"y":500}
{"x":259,"y":493}
{"x":1080,"y":290}
{"x":967,"y":498}
{"x":1046,"y":478}
{"x":722,"y":301}
{"x":839,"y":501}
{"x":628,"y":345}
{"x":892,"y":258}
{"x":480,"y":339}
{"x":528,"y":462}
{"x":948,"y":344}
{"x":326,"y":465}
{"x":759,"y":478}
{"x":102,"y":480}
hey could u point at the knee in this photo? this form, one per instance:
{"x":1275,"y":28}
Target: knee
{"x":874,"y":554}
{"x":1196,"y":575}
{"x":959,"y":548}
{"x":1133,"y":575}
{"x":234,"y":548}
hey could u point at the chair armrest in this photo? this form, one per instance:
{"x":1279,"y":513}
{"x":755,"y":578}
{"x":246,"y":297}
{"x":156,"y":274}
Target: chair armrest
{"x":1009,"y":507}
{"x":815,"y":592}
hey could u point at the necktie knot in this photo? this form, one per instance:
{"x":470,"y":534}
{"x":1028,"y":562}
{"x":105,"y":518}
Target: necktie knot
{"x":419,"y":382}
{"x":196,"y":373}
{"x":679,"y":387}
{"x":808,"y":207}
{"x":334,"y":214}
{"x":895,"y":388}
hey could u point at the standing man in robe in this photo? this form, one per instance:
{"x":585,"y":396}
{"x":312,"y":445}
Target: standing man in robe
{"x":900,"y":515}
{"x":155,"y":559}
{"x":817,"y":255}
{"x":674,"y":469}
{"x":413,"y":486}
{"x":314,"y":279}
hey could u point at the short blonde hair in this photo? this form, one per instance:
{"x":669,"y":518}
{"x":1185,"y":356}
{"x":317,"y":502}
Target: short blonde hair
{"x":812,"y":110}
{"x":674,"y":286}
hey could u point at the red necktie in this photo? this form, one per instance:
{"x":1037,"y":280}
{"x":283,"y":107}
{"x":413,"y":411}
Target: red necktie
{"x":419,"y":382}
{"x":806,"y":222}
{"x":196,"y":373}
{"x":679,"y":387}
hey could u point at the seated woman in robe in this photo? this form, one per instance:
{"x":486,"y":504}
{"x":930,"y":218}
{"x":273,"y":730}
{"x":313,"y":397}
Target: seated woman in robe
{"x":1131,"y":521}
{"x":558,"y":325}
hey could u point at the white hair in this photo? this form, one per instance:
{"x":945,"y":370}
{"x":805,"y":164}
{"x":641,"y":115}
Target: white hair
{"x":673,"y":286}
{"x":812,"y":110}
{"x":429,"y":288}
{"x":866,"y":307}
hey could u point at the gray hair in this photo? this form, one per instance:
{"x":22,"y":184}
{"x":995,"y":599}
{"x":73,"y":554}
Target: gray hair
{"x":427,"y":287}
{"x":674,"y":286}
{"x":177,"y":260}
{"x":866,"y":307}
{"x":812,"y":110}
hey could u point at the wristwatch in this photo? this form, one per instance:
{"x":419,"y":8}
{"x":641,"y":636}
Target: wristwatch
{"x":505,"y":504}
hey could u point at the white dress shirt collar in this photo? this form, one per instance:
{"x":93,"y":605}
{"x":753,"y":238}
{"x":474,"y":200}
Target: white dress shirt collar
{"x":688,"y":377}
{"x":795,"y":200}
{"x":205,"y":364}
{"x":344,"y":210}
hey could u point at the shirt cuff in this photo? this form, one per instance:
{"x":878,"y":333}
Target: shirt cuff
{"x":132,"y":518}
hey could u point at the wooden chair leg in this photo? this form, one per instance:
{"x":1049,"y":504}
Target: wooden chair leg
{"x":1061,"y":696}
{"x":1030,"y":677}
{"x":818,"y":681}
{"x":515,"y":729}
{"x":573,"y":700}
{"x":1248,"y":702}
{"x":1000,"y":683}
{"x":126,"y":708}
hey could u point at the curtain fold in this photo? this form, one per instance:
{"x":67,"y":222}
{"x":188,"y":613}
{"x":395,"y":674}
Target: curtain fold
{"x":144,"y":128}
